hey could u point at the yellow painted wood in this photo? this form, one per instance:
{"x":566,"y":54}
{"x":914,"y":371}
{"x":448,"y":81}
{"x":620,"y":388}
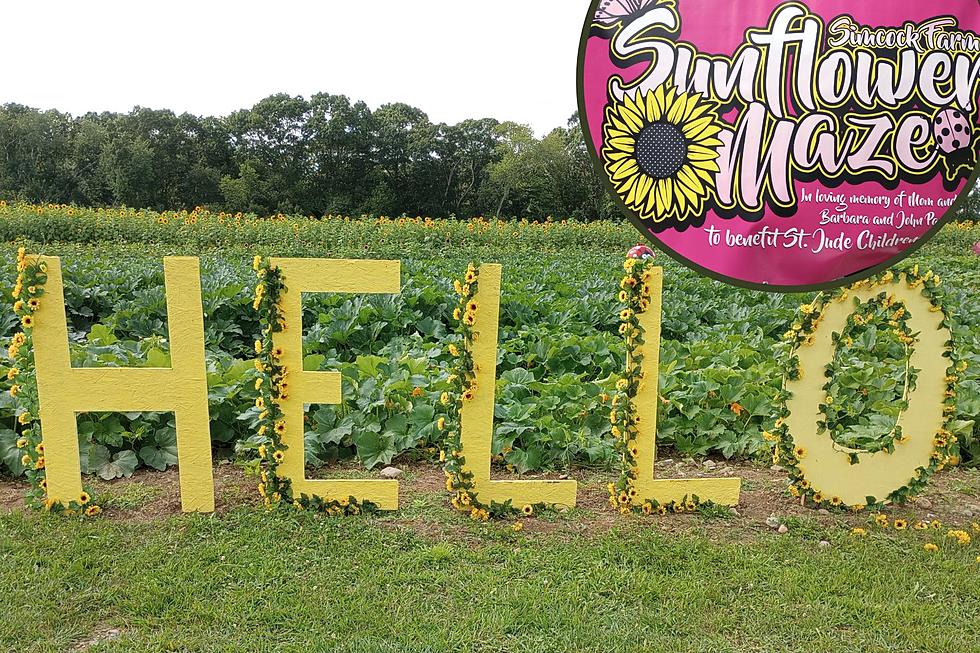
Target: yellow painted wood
{"x":324,"y":276}
{"x":476,"y":418}
{"x":64,"y":392}
{"x":722,"y":491}
{"x":826,"y":464}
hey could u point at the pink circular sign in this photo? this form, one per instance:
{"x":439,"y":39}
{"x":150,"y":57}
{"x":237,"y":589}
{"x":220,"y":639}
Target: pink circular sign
{"x":783,"y":145}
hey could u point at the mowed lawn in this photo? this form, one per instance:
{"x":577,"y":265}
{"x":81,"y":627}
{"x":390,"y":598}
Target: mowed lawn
{"x":250,"y":581}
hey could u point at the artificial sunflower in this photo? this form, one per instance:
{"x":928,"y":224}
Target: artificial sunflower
{"x":660,"y":152}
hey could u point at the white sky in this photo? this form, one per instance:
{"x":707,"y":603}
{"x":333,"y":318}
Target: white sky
{"x":454,"y":59}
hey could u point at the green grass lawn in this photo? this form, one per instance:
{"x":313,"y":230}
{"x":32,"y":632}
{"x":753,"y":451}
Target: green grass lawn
{"x":249,"y":581}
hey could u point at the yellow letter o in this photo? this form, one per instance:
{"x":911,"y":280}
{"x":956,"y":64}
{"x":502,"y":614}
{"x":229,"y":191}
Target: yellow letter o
{"x":826,"y":466}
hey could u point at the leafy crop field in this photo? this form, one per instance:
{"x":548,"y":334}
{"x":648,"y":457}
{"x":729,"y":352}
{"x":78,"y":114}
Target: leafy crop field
{"x":559,"y":352}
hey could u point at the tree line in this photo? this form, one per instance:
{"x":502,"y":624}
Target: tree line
{"x":317,"y":156}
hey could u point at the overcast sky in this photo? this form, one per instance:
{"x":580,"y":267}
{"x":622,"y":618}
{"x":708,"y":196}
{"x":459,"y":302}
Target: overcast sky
{"x":454,"y":59}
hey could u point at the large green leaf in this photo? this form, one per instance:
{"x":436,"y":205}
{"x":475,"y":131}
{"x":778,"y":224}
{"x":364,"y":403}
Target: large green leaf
{"x":373,"y":449}
{"x":161,"y":452}
{"x":109,"y":467}
{"x":9,"y":453}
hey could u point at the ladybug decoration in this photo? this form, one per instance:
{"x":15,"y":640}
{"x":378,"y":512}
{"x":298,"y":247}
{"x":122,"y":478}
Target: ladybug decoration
{"x":641,"y":252}
{"x":954,"y":138}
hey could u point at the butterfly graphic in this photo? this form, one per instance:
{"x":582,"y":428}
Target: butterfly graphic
{"x":611,"y":12}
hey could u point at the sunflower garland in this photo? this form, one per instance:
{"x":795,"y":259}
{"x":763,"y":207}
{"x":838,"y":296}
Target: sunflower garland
{"x":945,"y":446}
{"x":634,"y":295}
{"x":27,"y":293}
{"x":462,"y":388}
{"x":271,"y":389}
{"x":660,"y":151}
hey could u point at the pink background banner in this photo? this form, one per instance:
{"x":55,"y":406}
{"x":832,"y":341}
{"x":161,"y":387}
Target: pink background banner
{"x":853,"y":162}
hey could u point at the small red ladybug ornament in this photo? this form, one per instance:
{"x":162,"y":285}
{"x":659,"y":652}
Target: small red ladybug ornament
{"x":641,"y":252}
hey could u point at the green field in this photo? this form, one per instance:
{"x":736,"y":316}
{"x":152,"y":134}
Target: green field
{"x":560,"y":350}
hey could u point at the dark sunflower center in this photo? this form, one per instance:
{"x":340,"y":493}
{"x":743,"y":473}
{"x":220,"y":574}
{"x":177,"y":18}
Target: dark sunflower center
{"x":661,"y":149}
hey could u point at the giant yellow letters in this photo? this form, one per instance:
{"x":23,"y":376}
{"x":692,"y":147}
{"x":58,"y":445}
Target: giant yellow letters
{"x":63,"y":392}
{"x":723,"y":491}
{"x":476,"y":418}
{"x":827,"y":465}
{"x":321,"y":276}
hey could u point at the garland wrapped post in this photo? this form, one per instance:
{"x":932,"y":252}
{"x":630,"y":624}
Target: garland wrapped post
{"x":467,"y":422}
{"x":28,"y":293}
{"x":270,"y":387}
{"x":633,"y":414}
{"x":462,"y":383}
{"x":868,"y":472}
{"x":283,"y":387}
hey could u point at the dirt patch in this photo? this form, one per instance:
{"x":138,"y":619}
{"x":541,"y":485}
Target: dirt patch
{"x":98,"y":637}
{"x":953,"y":497}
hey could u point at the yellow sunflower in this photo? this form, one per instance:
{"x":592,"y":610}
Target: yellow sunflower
{"x":660,"y":152}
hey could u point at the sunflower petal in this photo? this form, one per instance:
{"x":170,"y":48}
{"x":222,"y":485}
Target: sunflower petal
{"x":632,"y":119}
{"x":697,"y":153}
{"x":624,"y":169}
{"x":677,"y":111}
{"x":651,"y":206}
{"x":710,"y":166}
{"x":628,"y":183}
{"x":623,"y":144}
{"x":647,"y":188}
{"x":619,"y":124}
{"x":658,"y":95}
{"x":689,"y":179}
{"x":664,"y":197}
{"x":709,"y":142}
{"x":635,"y":106}
{"x":706,"y":133}
{"x":654,"y":112}
{"x":695,"y":110}
{"x":703,"y":174}
{"x":693,"y":198}
{"x":679,"y":195}
{"x":692,"y":129}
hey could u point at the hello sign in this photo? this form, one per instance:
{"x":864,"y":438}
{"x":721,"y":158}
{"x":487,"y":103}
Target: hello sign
{"x":62,"y":392}
{"x":783,"y":145}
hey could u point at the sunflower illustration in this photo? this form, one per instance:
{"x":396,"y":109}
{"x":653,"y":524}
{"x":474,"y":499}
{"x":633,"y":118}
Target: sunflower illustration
{"x":660,"y":152}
